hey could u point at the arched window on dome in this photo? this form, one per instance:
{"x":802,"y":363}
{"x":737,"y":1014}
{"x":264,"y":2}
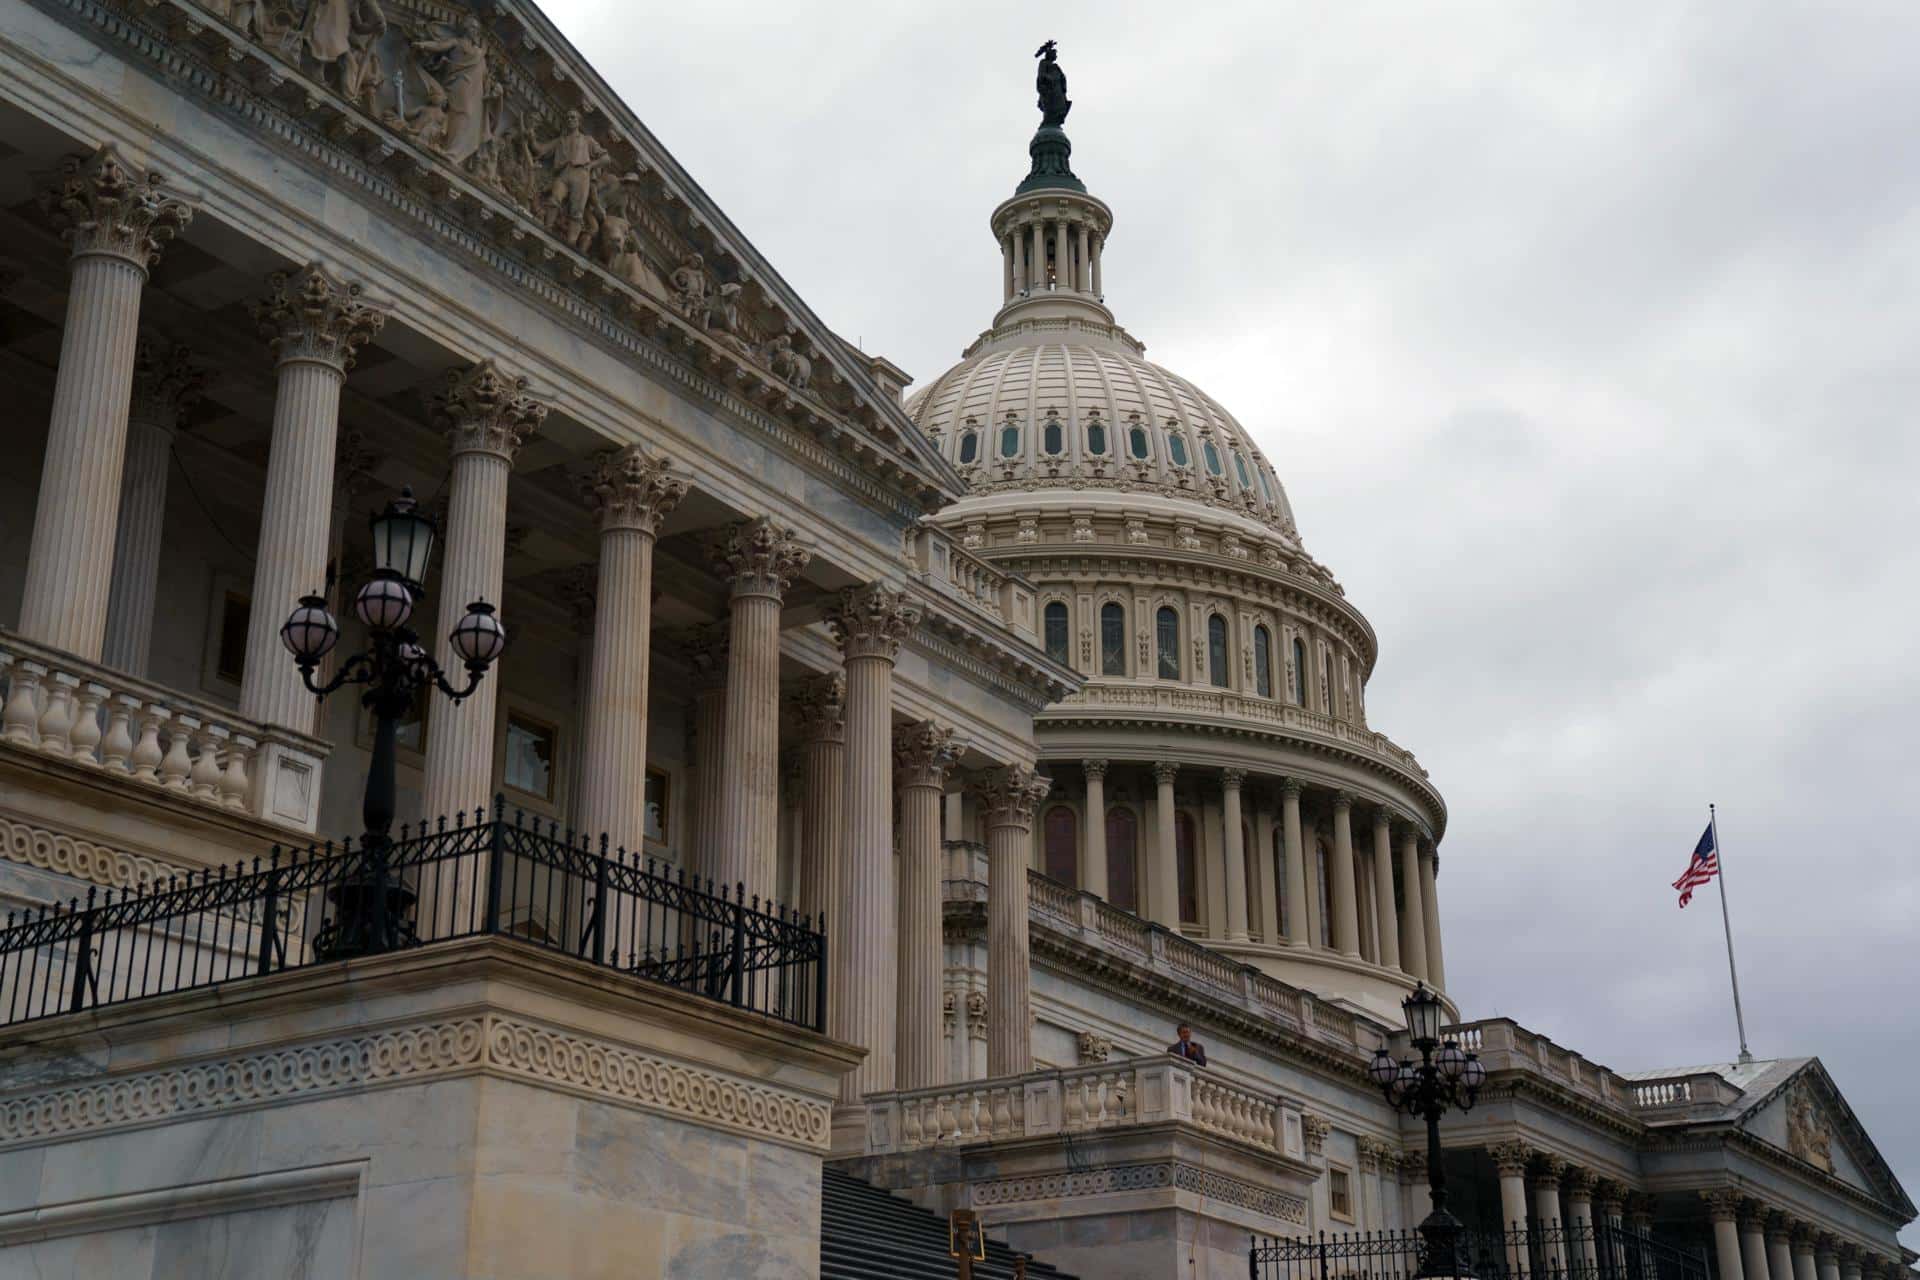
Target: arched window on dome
{"x":1137,"y":442}
{"x":1177,"y":448}
{"x":1166,"y":630}
{"x":1217,"y":650}
{"x":1061,"y":836}
{"x":1213,"y":457}
{"x":1123,"y":859}
{"x":1097,"y":439}
{"x":1266,"y":487}
{"x":1052,"y":437}
{"x":1326,"y":682}
{"x":1055,"y":616}
{"x":1009,"y":441}
{"x":1240,"y":469}
{"x":1186,"y":868}
{"x":1299,"y":672}
{"x":1113,"y":639}
{"x":969,"y":446}
{"x":1262,"y":662}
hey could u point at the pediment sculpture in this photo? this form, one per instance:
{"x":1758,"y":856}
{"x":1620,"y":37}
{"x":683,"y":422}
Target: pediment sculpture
{"x":1807,"y":1134}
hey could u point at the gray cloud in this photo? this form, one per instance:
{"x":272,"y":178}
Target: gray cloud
{"x":1583,"y":337}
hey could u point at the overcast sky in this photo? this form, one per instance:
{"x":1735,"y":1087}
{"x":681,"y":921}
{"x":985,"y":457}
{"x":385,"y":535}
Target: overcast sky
{"x":1583,"y":337}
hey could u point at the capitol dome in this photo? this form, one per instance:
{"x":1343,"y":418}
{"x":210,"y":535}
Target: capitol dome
{"x":1216,"y":773}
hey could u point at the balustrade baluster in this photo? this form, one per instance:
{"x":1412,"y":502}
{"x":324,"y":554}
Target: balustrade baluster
{"x":236,"y":782}
{"x":1074,"y":1107}
{"x":85,"y":735}
{"x":117,"y":746}
{"x":910,"y":1126}
{"x":1002,"y":1114}
{"x":177,"y":766}
{"x":20,"y":724}
{"x":56,"y":721}
{"x":205,"y":778}
{"x":146,"y":753}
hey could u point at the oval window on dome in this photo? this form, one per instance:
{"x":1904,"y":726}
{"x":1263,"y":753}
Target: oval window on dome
{"x":1266,"y":487}
{"x":969,"y":446}
{"x":1240,"y":467}
{"x":1096,"y":439}
{"x":1009,"y":442}
{"x":1177,"y":448}
{"x":1213,"y":457}
{"x":1137,"y":441}
{"x":1052,"y":438}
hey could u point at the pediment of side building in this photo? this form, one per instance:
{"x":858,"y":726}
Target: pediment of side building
{"x":1806,"y":1116}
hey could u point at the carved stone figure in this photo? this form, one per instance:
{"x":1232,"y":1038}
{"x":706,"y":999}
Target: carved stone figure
{"x":426,"y":124}
{"x":1807,"y":1136}
{"x":615,"y":228}
{"x":514,"y":157}
{"x":690,"y":286}
{"x":458,"y":62}
{"x":571,"y":159}
{"x":723,"y":317}
{"x":328,"y":35}
{"x":1051,"y":81}
{"x":787,"y":364}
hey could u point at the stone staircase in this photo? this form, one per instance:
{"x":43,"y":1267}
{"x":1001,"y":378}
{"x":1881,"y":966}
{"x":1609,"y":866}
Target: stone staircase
{"x":867,"y":1234}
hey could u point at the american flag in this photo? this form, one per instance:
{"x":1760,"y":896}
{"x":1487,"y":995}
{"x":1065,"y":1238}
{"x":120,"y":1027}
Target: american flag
{"x":1704,"y":867}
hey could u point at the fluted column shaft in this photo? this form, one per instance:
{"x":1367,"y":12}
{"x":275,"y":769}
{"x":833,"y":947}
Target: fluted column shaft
{"x":924,"y":755}
{"x":315,"y":324}
{"x":1010,"y":797}
{"x":1020,"y":275}
{"x":1080,"y":262}
{"x":165,"y":381}
{"x":1546,"y":1211}
{"x":1804,"y":1267}
{"x":1510,"y":1160}
{"x":706,"y":652}
{"x":1062,"y":256}
{"x":1165,"y":877}
{"x":1387,"y":916}
{"x":1093,"y":872}
{"x":114,"y":219}
{"x":1233,"y":843}
{"x":1298,"y":915}
{"x":1413,"y":921}
{"x":632,"y":494}
{"x":862,"y":950}
{"x":1826,"y":1262}
{"x":823,"y":759}
{"x":1753,"y":1249}
{"x":1779,"y":1256}
{"x":762,"y":560}
{"x":1430,"y":900}
{"x":1346,"y":915}
{"x":1721,"y":1207}
{"x":1037,"y":259}
{"x":1098,"y":242}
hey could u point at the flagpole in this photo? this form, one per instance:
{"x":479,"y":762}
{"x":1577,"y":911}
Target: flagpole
{"x":1720,"y":853}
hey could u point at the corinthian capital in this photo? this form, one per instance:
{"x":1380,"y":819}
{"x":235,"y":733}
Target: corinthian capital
{"x":925,"y":753}
{"x":1164,"y":771}
{"x":101,"y":206}
{"x":870,"y":621}
{"x":166,"y":382}
{"x":1233,"y":779}
{"x":760,"y":556}
{"x":1723,"y":1205}
{"x":629,"y":490}
{"x":1094,"y":768}
{"x":822,"y":703}
{"x":311,"y":314}
{"x":486,"y":410}
{"x":1511,"y":1158}
{"x":1010,"y":796}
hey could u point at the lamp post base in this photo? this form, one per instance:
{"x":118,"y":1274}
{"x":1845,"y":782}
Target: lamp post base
{"x":1440,"y":1258}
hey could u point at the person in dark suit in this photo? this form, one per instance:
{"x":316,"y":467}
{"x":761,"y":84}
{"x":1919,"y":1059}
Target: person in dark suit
{"x":1187,"y":1047}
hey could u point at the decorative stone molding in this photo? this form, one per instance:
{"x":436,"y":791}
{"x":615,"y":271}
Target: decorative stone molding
{"x":1550,"y":1169}
{"x":1009,"y":796}
{"x":976,"y":1015}
{"x":1160,"y":1175}
{"x":1510,"y":1158}
{"x":1094,"y":768}
{"x":628,"y":489}
{"x":1291,"y":788}
{"x":871,"y":620}
{"x":1372,"y":1152}
{"x":761,"y":557}
{"x":1165,"y":770}
{"x":821,"y":704}
{"x":924,"y":754}
{"x":311,"y":315}
{"x":67,"y":855}
{"x":486,"y":410}
{"x":1610,"y":1198}
{"x":1314,"y":1129}
{"x":166,"y":382}
{"x":1413,"y":1167}
{"x":1233,"y":779}
{"x":491,"y":1043}
{"x":1579,"y":1182}
{"x":1093,"y":1048}
{"x":100,"y":206}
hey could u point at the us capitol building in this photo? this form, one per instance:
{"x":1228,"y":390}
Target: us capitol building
{"x":868,"y":786}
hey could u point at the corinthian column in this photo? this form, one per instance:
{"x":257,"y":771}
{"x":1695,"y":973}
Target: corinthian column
{"x":1430,"y":899}
{"x":115,"y":221}
{"x":486,"y":416}
{"x":1164,"y":878}
{"x":1723,"y":1207}
{"x":1387,"y":917}
{"x":631,"y":493}
{"x":823,"y":767}
{"x":761,"y":558}
{"x":315,"y":324}
{"x":1093,"y":877}
{"x":1231,"y":782}
{"x":862,"y":958}
{"x":165,"y":383}
{"x":1298,"y":915}
{"x":1413,"y":921}
{"x":1009,"y":796}
{"x":923,"y":754}
{"x":1346,"y":916}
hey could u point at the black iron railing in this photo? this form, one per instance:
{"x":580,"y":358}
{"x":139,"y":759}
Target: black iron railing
{"x":1575,"y":1251}
{"x":519,"y":877}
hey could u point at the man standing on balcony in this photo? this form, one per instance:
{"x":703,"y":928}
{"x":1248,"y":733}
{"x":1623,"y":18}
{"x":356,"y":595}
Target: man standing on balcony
{"x":1187,"y":1047}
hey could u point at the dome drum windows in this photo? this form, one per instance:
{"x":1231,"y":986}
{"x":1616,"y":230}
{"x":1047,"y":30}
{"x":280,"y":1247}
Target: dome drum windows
{"x":1299,"y":672}
{"x":1214,"y":465}
{"x":1262,"y":661}
{"x":1137,"y":445}
{"x":1053,"y":436}
{"x":969,"y":447}
{"x":1096,"y":437}
{"x":1217,"y":651}
{"x":1177,"y":449}
{"x":1166,"y":627}
{"x":1010,"y":441}
{"x":1113,"y":639}
{"x":1054,"y":627}
{"x":1240,"y":469}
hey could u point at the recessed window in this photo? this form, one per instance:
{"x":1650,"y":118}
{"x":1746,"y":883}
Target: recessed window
{"x":1137,"y":442}
{"x":659,"y":796}
{"x":232,"y":660}
{"x":1240,"y":469}
{"x":529,"y":762}
{"x":1166,"y":627}
{"x":1187,"y":869}
{"x":1326,"y":682}
{"x":969,"y":446}
{"x":1177,"y":448}
{"x":1113,"y":639}
{"x":1052,"y":438}
{"x":1056,"y":631}
{"x":1123,"y":869}
{"x":1340,"y":1194}
{"x":1061,"y":834}
{"x":1009,"y":442}
{"x":1299,"y":673}
{"x":1213,"y":457}
{"x":1096,"y":439}
{"x":1217,"y":650}
{"x":1262,"y":662}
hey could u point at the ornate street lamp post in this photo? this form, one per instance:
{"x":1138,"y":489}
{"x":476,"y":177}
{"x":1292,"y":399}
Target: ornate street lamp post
{"x":373,"y":915}
{"x":1446,"y":1076}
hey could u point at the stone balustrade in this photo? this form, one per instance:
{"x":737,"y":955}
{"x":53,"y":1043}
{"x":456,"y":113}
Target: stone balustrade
{"x":954,"y":571}
{"x":57,"y":706}
{"x":1074,"y":1100}
{"x":1505,"y":1045}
